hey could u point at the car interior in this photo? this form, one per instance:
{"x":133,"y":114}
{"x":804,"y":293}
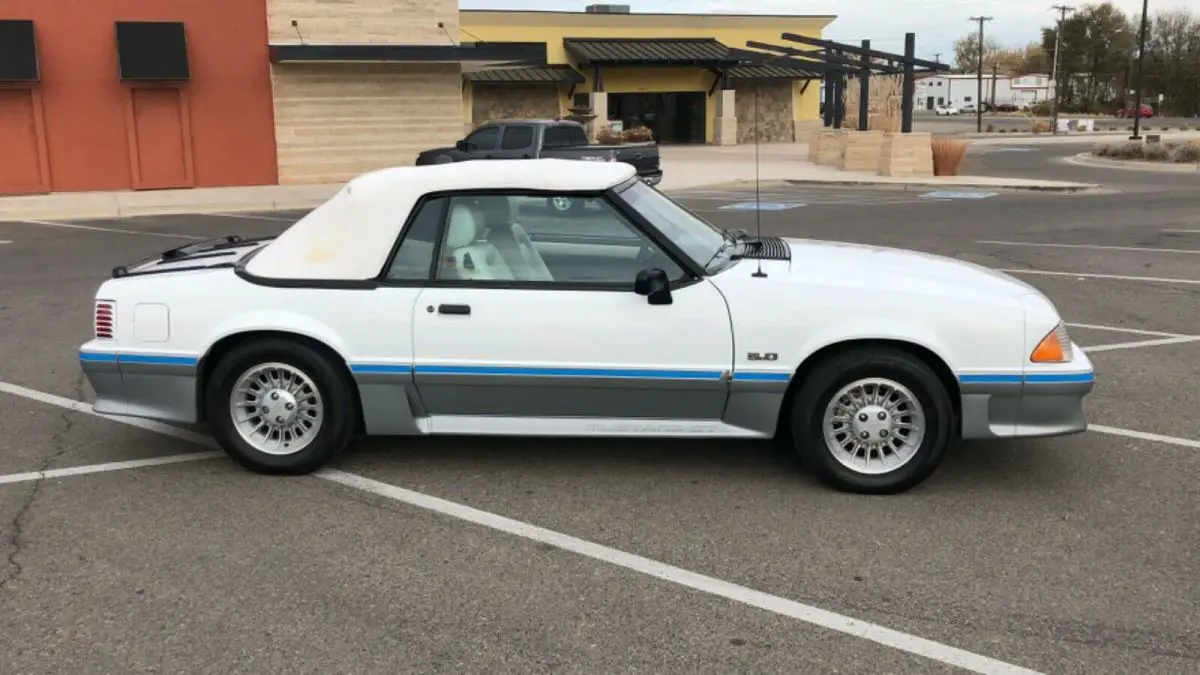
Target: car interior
{"x":486,"y":239}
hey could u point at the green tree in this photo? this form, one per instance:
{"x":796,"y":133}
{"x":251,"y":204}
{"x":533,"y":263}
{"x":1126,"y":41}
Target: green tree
{"x":1097,"y":47}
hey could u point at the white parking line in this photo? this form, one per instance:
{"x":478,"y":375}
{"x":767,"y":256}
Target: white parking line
{"x":1148,"y":249}
{"x":1141,"y":343}
{"x":912,"y":644}
{"x":1183,"y":231}
{"x":5,"y":241}
{"x":250,"y":216}
{"x":747,"y":596}
{"x":1115,"y":277}
{"x":95,"y":228}
{"x":1135,"y":331}
{"x":104,"y":468}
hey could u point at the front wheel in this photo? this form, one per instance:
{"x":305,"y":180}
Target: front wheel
{"x":872,"y":420}
{"x":280,"y":407}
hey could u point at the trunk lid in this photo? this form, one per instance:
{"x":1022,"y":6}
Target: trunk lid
{"x":210,"y":254}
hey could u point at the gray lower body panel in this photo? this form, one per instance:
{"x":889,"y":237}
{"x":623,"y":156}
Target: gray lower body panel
{"x":1023,"y":410}
{"x":393,"y":404}
{"x":154,"y":391}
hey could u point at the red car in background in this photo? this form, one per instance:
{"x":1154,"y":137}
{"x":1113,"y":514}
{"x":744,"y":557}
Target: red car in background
{"x":1146,"y":111}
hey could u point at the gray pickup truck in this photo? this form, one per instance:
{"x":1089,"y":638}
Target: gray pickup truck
{"x":530,"y":139}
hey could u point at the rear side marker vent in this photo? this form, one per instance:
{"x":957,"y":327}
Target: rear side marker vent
{"x":105,"y":320}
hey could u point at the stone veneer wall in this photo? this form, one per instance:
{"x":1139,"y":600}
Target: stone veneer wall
{"x":775,"y":114}
{"x":334,"y":121}
{"x":511,"y":101}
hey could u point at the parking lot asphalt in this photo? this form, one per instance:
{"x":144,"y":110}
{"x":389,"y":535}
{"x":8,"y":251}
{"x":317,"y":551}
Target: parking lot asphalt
{"x":1066,"y":555}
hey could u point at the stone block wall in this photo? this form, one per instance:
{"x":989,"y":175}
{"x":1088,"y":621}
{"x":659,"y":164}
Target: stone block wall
{"x":510,"y":101}
{"x":906,"y":155}
{"x":334,"y":121}
{"x":775,"y":115}
{"x":861,"y":151}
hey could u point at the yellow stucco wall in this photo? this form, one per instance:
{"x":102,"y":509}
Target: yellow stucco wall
{"x":734,"y":31}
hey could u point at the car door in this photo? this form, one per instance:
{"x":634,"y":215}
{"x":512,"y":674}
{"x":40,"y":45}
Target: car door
{"x":510,"y":328}
{"x":483,"y":142}
{"x":517,"y":142}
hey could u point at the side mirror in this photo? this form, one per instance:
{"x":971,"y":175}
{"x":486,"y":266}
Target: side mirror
{"x":653,"y":284}
{"x":463,"y":146}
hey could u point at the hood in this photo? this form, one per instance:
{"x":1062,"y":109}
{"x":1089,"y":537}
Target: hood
{"x":899,"y":269}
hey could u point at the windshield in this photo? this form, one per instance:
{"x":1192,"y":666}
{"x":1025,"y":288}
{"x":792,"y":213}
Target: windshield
{"x":698,"y":238}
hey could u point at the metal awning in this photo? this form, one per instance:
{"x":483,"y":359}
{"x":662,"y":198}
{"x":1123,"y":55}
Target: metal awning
{"x":509,"y":54}
{"x":551,"y":74}
{"x":704,"y":52}
{"x":769,"y":73}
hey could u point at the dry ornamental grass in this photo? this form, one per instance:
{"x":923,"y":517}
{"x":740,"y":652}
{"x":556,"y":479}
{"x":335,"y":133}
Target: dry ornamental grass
{"x":1178,"y":153}
{"x":948,"y":153}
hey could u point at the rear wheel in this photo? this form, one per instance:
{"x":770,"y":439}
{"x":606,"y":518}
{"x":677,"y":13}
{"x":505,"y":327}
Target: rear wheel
{"x":872,"y":420}
{"x":279,"y":407}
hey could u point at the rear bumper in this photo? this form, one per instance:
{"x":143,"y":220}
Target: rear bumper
{"x":137,"y":385}
{"x":1030,"y":406}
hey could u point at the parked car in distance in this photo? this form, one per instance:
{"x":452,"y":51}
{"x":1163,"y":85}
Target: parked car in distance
{"x":555,"y":139}
{"x":945,"y":110}
{"x":450,"y":300}
{"x":1007,"y":107}
{"x":1145,"y":110}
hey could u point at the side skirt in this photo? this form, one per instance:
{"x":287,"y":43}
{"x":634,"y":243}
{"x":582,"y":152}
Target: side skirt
{"x":476,"y":425}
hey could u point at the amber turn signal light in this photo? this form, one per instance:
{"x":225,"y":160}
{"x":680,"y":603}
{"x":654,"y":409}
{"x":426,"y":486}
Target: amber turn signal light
{"x":1054,"y":348}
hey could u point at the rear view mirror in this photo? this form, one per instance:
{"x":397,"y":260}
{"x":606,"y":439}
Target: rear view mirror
{"x":463,"y":146}
{"x":654,"y":284}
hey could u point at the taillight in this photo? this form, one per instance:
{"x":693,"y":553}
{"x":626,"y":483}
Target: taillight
{"x":106,"y":319}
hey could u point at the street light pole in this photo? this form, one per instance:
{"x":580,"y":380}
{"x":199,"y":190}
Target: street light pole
{"x":1137,"y":95}
{"x":979,"y":76}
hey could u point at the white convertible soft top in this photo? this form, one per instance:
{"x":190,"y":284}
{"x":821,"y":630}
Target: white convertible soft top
{"x":350,"y":236}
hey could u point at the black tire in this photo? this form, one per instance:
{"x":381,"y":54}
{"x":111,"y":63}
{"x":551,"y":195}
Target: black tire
{"x":340,"y":409}
{"x":830,"y":376}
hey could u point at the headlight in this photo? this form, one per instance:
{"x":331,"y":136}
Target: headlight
{"x":1054,"y":348}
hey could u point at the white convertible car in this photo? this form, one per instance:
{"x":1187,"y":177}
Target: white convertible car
{"x":452,"y":299}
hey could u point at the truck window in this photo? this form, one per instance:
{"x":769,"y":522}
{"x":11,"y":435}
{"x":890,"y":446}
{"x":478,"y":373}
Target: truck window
{"x":517,"y":137}
{"x":484,"y":139}
{"x":564,"y":137}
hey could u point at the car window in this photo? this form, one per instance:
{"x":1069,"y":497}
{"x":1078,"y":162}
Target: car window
{"x":415,"y":255}
{"x":517,"y":138}
{"x":485,"y":138}
{"x":550,"y":239}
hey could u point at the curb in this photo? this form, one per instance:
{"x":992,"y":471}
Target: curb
{"x":1064,"y":189}
{"x":1088,"y":159}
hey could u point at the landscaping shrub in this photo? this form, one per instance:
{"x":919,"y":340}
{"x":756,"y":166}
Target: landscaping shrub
{"x":606,"y":136}
{"x":1003,"y":130}
{"x":1179,"y":153}
{"x":1186,"y":153}
{"x":990,"y":128}
{"x":947,"y":155}
{"x":638,"y":134}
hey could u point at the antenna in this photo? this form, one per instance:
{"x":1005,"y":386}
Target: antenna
{"x":757,"y":189}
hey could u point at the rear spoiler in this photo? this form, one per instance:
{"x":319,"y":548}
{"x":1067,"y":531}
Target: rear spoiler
{"x":212,"y":248}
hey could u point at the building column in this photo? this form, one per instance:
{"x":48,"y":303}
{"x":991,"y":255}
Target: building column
{"x":598,"y":102}
{"x":725,"y":131}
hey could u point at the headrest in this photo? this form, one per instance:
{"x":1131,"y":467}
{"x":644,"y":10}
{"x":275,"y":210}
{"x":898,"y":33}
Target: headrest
{"x":494,"y":211}
{"x":463,"y":228}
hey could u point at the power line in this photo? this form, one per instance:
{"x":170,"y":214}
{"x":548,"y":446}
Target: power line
{"x":979,"y":76}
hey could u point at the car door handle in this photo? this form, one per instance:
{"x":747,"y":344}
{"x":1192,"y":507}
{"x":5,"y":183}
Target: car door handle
{"x":454,"y":309}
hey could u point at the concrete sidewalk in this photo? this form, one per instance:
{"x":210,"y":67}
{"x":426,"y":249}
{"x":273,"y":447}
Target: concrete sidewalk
{"x":684,"y":167}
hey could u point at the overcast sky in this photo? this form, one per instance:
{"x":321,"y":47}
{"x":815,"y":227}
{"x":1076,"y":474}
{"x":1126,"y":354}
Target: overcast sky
{"x":937,"y":23}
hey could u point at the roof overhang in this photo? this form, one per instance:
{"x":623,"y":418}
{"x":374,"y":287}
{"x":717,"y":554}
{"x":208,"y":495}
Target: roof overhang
{"x":469,"y":54}
{"x":650,"y":52}
{"x":549,"y":74}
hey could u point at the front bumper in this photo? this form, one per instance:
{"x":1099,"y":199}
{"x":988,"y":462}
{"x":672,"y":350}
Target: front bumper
{"x":1036,"y":404}
{"x":139,"y":385}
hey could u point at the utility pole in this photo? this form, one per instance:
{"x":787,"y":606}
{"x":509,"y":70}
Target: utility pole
{"x":937,"y":57}
{"x":979,"y":76}
{"x":1137,"y":96}
{"x":992,"y":98}
{"x":1063,"y":9}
